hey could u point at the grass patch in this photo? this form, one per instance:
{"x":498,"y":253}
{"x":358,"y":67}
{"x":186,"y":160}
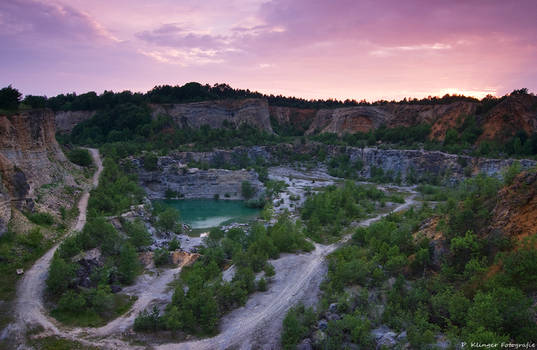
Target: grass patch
{"x":16,"y":252}
{"x":41,"y":218}
{"x":90,"y":318}
{"x":57,"y":343}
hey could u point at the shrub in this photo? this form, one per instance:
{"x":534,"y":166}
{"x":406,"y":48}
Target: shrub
{"x":148,"y":321}
{"x":262,"y":285}
{"x":80,"y":156}
{"x":168,"y":220}
{"x":150,"y":162}
{"x":41,"y":218}
{"x":174,"y":244}
{"x":161,"y":257}
{"x":247,"y":190}
{"x":511,"y":172}
{"x":60,"y":275}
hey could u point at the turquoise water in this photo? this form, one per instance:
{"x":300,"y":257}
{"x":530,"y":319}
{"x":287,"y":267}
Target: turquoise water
{"x":207,"y":213}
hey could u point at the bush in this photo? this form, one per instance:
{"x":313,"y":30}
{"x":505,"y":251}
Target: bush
{"x":41,"y":218}
{"x":168,"y":220}
{"x":247,"y":190}
{"x":161,"y":257}
{"x":511,"y":172}
{"x":148,"y":321}
{"x":129,"y":265}
{"x":150,"y":162}
{"x":61,"y":275}
{"x":174,"y":244}
{"x":80,"y":156}
{"x":138,"y":234}
{"x":262,"y":285}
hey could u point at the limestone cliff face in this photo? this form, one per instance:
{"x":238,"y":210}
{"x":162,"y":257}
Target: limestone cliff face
{"x":422,"y":162}
{"x":348,"y":120}
{"x":172,"y":174}
{"x":65,"y":121}
{"x":29,"y":158}
{"x":365,"y":118}
{"x":253,"y":112}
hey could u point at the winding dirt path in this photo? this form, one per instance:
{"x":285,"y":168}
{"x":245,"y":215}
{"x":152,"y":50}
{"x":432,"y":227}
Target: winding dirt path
{"x":29,"y":309}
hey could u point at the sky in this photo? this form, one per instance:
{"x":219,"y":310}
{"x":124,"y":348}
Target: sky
{"x":370,"y":49}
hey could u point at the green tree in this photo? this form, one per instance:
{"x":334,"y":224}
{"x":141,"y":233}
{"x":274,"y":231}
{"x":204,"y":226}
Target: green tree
{"x":80,"y":156}
{"x":128,"y":266}
{"x":138,"y":234}
{"x":247,"y":190}
{"x":61,"y":275}
{"x":511,"y":172}
{"x":150,"y":162}
{"x":9,"y":98}
{"x":71,"y":302}
{"x":168,"y":220}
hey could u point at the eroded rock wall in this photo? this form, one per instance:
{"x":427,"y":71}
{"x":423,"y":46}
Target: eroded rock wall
{"x":65,"y":121}
{"x":215,"y":114}
{"x":422,"y":162}
{"x":172,"y":174}
{"x":30,"y":157}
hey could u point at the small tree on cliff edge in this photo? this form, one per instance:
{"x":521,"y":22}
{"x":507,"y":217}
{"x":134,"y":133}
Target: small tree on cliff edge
{"x":9,"y":98}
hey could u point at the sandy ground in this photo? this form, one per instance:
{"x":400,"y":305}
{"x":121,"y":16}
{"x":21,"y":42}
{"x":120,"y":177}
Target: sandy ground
{"x":256,"y":325}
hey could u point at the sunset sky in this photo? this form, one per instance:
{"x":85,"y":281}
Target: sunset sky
{"x":307,"y":48}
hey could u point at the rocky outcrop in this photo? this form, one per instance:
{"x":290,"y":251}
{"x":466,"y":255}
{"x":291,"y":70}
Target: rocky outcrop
{"x":217,"y":114}
{"x":29,"y":158}
{"x":515,"y":213}
{"x":348,"y":120}
{"x":173,"y":175}
{"x":515,"y":113}
{"x":365,"y":118}
{"x":298,"y":119}
{"x":65,"y":121}
{"x":429,"y":163}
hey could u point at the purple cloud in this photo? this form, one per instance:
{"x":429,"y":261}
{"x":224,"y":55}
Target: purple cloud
{"x":173,"y":35}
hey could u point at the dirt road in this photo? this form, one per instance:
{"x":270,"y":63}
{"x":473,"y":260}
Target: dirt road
{"x":29,"y":309}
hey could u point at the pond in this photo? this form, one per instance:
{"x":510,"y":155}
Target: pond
{"x":206,"y":213}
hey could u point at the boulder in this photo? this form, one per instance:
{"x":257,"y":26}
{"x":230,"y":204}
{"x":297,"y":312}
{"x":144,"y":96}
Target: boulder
{"x":384,"y":336}
{"x":305,"y":345}
{"x":322,"y":324}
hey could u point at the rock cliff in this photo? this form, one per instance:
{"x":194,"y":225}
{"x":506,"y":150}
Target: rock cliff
{"x":403,"y":163}
{"x":515,"y":213}
{"x":423,"y":163}
{"x":30,"y":157}
{"x":514,"y":113}
{"x":173,"y":175}
{"x":365,"y":118}
{"x":65,"y":121}
{"x":253,"y":112}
